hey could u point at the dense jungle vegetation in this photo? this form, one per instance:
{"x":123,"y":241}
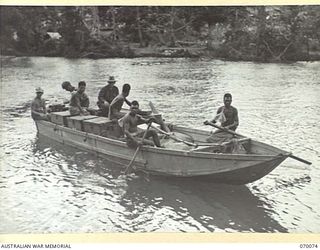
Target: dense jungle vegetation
{"x":255,"y":33}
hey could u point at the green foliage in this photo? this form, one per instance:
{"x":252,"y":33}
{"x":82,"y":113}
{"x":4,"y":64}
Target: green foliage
{"x":264,"y":33}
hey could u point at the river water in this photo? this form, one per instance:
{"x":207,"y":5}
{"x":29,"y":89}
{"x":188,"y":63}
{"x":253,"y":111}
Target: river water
{"x":48,"y":187}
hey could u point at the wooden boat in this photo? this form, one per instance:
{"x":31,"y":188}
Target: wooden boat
{"x":201,"y":162}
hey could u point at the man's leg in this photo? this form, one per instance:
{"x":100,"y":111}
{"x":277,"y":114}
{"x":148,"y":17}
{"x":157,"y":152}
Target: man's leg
{"x":149,"y":134}
{"x":155,"y":137}
{"x":104,"y":107}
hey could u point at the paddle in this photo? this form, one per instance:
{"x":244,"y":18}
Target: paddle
{"x":221,"y":128}
{"x":234,"y":133}
{"x":137,"y":150}
{"x":175,"y":138}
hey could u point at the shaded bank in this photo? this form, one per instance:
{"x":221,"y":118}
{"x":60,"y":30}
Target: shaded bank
{"x":236,"y":33}
{"x":167,"y":52}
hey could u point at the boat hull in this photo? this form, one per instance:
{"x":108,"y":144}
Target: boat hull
{"x":222,"y":168}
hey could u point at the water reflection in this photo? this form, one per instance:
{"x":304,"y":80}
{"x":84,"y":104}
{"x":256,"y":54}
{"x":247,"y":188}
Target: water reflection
{"x":161,"y":204}
{"x":214,"y":207}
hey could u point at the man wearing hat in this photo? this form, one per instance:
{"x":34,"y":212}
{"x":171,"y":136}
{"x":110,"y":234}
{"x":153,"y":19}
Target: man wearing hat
{"x":38,"y":106}
{"x":106,"y":95}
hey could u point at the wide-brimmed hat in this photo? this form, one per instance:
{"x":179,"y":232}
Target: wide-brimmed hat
{"x":111,"y":79}
{"x":39,"y":90}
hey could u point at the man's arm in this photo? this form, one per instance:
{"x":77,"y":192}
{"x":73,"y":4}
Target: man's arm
{"x":144,"y":120}
{"x":214,"y":120}
{"x":101,"y":96}
{"x":113,"y":104}
{"x":127,"y":102}
{"x":86,"y":101}
{"x":114,"y":101}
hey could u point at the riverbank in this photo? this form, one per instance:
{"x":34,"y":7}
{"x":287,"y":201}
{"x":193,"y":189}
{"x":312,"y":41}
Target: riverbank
{"x":135,"y":51}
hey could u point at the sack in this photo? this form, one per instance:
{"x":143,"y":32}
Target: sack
{"x":237,"y":148}
{"x":220,"y":118}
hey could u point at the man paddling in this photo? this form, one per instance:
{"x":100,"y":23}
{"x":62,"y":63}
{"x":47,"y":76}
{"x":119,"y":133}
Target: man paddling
{"x":79,"y":101}
{"x":228,"y":116}
{"x":229,"y":113}
{"x":106,"y":95}
{"x":38,"y":106}
{"x":130,"y":123}
{"x":116,"y":104}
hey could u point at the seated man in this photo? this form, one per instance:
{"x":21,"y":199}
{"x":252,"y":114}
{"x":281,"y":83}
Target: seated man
{"x":68,"y":87}
{"x":130,"y":123}
{"x":79,"y":101}
{"x":106,"y":95}
{"x":38,"y":107}
{"x":116,"y":104}
{"x":228,"y":116}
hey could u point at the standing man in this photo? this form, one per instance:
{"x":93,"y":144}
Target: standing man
{"x":38,"y":106}
{"x":116,"y":104}
{"x":79,"y":101}
{"x":130,"y":123}
{"x":106,"y":95}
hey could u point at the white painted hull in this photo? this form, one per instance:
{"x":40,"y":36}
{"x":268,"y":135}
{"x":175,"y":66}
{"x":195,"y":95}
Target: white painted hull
{"x":226,"y":168}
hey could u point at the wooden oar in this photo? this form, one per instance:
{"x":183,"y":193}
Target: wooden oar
{"x":137,"y":150}
{"x":234,"y":133}
{"x":175,"y":138}
{"x":222,"y":129}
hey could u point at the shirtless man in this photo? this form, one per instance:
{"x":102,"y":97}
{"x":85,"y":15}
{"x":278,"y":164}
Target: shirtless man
{"x":229,"y":120}
{"x":230,"y":113}
{"x":116,"y":104}
{"x":130,"y":123}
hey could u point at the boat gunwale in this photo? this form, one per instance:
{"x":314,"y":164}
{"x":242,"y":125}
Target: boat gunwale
{"x":174,"y":152}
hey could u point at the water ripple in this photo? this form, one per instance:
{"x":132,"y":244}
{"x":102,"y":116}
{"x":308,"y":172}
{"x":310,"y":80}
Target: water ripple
{"x":49,"y":188}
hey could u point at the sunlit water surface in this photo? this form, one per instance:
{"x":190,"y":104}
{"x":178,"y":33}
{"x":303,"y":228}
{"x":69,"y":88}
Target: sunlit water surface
{"x":48,"y":187}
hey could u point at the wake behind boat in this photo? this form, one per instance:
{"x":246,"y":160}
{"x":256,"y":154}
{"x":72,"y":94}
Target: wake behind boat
{"x":199,"y":160}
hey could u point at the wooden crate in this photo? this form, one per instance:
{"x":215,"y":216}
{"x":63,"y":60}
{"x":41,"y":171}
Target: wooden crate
{"x":76,"y":122}
{"x":97,"y":125}
{"x":103,"y":126}
{"x":60,"y":118}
